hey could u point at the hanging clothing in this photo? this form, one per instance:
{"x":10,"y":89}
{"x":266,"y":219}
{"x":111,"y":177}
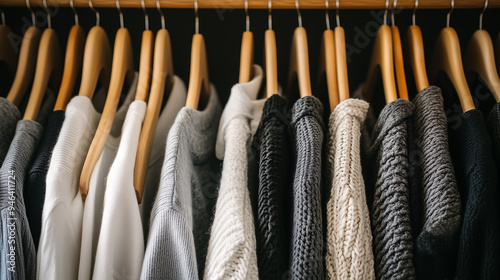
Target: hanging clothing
{"x":437,"y":234}
{"x":232,"y":249}
{"x":10,"y":115}
{"x":176,"y":100}
{"x":271,"y":147}
{"x":494,"y":129}
{"x":388,"y":183}
{"x":17,"y":250}
{"x":120,"y":248}
{"x":34,"y":192}
{"x":306,"y":128}
{"x":471,"y":151}
{"x":182,"y":212}
{"x":349,"y":238}
{"x":94,"y":202}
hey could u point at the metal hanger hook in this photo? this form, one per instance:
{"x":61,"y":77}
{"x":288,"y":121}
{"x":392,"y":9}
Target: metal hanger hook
{"x":49,"y":19}
{"x":247,"y":16}
{"x":299,"y":16}
{"x":338,"y":11}
{"x":146,"y":17}
{"x":196,"y":18}
{"x":394,"y":4}
{"x":97,"y":14}
{"x":72,"y":5}
{"x":270,"y":15}
{"x":414,"y":12}
{"x":120,"y":13}
{"x":449,"y":13}
{"x":32,"y":13}
{"x":162,"y":17}
{"x":327,"y":15}
{"x":385,"y":12}
{"x":481,"y":15}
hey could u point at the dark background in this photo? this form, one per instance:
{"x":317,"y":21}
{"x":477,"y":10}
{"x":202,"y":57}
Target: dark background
{"x":222,"y":29}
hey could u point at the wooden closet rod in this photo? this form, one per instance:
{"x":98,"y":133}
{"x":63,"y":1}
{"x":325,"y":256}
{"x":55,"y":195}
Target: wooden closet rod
{"x":261,"y":4}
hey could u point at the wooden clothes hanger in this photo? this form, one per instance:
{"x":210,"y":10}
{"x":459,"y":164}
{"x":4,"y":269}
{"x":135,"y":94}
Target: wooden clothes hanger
{"x":480,"y":59}
{"x":399,"y":66}
{"x":341,"y":58}
{"x":447,"y":58}
{"x":497,"y":52}
{"x":7,"y":53}
{"x":72,"y":63}
{"x":246,"y":56}
{"x":26,"y":63}
{"x":122,"y":70}
{"x":48,"y":68}
{"x":145,"y":62}
{"x":299,"y":59}
{"x":199,"y":83}
{"x":163,"y":74}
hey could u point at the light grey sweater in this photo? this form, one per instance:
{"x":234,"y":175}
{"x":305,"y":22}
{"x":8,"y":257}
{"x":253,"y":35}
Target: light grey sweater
{"x":9,"y":116}
{"x":17,"y":250}
{"x":183,"y":208}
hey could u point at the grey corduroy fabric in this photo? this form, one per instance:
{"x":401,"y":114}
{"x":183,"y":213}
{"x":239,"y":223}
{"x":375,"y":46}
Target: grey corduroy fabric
{"x":9,"y":116}
{"x":385,"y":166}
{"x":182,"y":212}
{"x":441,"y":199}
{"x":307,"y":258}
{"x":17,"y":250}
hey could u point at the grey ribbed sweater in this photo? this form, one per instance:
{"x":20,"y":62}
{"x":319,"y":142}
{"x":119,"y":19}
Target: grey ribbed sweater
{"x":439,"y":190}
{"x":182,"y":212}
{"x":307,"y":258}
{"x":9,"y":116}
{"x":17,"y":250}
{"x":390,"y":213}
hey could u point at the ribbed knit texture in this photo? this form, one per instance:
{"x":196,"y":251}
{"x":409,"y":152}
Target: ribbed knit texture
{"x":183,"y":208}
{"x":34,"y":192}
{"x":349,"y":238}
{"x":477,"y":175}
{"x":441,"y":205}
{"x":391,"y":226}
{"x":271,"y":147}
{"x":306,"y":128}
{"x":17,"y":250}
{"x":10,"y":115}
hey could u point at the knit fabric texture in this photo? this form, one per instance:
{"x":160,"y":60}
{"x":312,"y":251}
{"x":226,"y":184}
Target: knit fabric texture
{"x":414,"y":179}
{"x":349,"y":238}
{"x":494,"y":129}
{"x":232,"y":249}
{"x":34,"y":192}
{"x":271,"y":147}
{"x":183,"y":208}
{"x":306,"y":128}
{"x":390,"y":212}
{"x":10,"y":115}
{"x":441,"y":205}
{"x":17,"y":250}
{"x":477,"y":175}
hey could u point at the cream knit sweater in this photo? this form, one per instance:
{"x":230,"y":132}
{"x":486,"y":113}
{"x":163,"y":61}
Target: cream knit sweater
{"x":349,"y":239}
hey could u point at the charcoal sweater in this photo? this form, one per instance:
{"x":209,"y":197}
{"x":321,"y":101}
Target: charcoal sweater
{"x":9,"y":116}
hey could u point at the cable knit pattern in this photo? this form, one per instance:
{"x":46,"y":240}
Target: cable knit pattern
{"x":349,"y":238}
{"x":307,"y":259}
{"x":272,"y":152}
{"x":441,"y":200}
{"x":391,"y":228}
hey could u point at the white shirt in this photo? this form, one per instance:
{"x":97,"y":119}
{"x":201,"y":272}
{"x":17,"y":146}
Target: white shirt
{"x":93,"y":207}
{"x":120,"y":249}
{"x":232,"y":249}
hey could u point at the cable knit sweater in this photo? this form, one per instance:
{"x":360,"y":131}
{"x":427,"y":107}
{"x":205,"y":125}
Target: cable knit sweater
{"x":271,"y":147}
{"x":391,"y":227}
{"x":307,"y":259}
{"x":441,"y":201}
{"x":349,"y":238}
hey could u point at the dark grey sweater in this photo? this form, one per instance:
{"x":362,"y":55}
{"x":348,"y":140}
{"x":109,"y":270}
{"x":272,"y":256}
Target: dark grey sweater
{"x":307,"y":259}
{"x":385,"y":167}
{"x":9,"y":116}
{"x":17,"y":250}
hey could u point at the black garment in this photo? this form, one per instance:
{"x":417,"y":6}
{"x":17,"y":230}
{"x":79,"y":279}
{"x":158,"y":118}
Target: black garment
{"x":494,"y":129}
{"x":476,"y":172}
{"x":271,"y":148}
{"x":34,"y":191}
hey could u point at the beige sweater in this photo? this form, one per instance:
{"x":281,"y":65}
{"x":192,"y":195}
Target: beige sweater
{"x":349,"y":239}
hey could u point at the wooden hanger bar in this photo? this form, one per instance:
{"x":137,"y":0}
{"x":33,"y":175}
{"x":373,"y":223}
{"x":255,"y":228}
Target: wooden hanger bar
{"x":260,"y":4}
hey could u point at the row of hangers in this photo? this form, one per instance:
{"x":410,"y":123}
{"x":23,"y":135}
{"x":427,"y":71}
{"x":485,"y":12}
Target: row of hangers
{"x":115,"y":69}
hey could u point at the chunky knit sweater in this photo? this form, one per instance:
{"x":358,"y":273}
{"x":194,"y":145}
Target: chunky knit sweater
{"x":271,"y":147}
{"x":349,"y":238}
{"x":307,"y":258}
{"x":437,"y":235}
{"x":9,"y":114}
{"x":391,"y":227}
